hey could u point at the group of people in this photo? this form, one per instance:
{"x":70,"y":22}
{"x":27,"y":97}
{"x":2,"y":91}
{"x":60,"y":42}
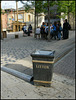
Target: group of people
{"x":55,"y":30}
{"x":27,"y":31}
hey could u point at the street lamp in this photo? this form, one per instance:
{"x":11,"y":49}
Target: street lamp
{"x":17,"y":12}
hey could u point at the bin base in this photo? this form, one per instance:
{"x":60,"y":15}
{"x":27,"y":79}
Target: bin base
{"x":16,"y":36}
{"x":42,"y":83}
{"x":4,"y":34}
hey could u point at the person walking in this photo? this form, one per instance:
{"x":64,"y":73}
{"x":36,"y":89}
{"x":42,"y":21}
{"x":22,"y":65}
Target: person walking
{"x":37,"y":32}
{"x":59,"y":31}
{"x":51,"y":31}
{"x":65,"y":29}
{"x":25,"y":29}
{"x":29,"y":30}
{"x":55,"y":30}
{"x":46,"y":31}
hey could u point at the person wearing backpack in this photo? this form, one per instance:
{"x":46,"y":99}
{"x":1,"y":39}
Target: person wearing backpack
{"x":59,"y":31}
{"x":66,"y":29}
{"x":55,"y":30}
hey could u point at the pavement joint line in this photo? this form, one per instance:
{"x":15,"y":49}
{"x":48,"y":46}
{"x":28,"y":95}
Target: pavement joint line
{"x":62,"y":55}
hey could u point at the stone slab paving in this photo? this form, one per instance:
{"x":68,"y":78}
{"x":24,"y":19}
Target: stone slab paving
{"x":15,"y":54}
{"x":15,"y":88}
{"x":66,"y":66}
{"x":17,"y":51}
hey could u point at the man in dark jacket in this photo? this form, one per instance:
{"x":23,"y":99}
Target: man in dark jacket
{"x":65,"y":29}
{"x":29,"y":30}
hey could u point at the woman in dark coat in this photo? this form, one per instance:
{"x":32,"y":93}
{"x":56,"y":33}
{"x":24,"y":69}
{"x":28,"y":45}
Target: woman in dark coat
{"x":43,"y":30}
{"x":65,"y":30}
{"x":29,"y":30}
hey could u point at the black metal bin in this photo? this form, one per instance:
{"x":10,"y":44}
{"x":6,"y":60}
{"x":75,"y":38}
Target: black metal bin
{"x":43,"y":61}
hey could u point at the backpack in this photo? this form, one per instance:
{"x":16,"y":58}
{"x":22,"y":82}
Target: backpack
{"x":69,"y":26}
{"x":42,"y":30}
{"x":47,"y":30}
{"x":60,"y":29}
{"x":55,"y":28}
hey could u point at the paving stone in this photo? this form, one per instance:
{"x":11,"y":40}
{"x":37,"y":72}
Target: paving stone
{"x":67,"y":65}
{"x":16,"y":52}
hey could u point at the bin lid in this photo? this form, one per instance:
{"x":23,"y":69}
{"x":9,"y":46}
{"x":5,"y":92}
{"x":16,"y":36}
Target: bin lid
{"x":47,"y":53}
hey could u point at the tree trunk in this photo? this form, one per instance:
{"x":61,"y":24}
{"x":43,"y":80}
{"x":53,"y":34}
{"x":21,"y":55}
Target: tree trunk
{"x":35,"y":23}
{"x":0,"y":16}
{"x":48,"y":20}
{"x":73,"y":21}
{"x":68,"y":10}
{"x":37,"y":20}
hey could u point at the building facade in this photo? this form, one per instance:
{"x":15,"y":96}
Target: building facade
{"x":4,"y":20}
{"x":23,"y":17}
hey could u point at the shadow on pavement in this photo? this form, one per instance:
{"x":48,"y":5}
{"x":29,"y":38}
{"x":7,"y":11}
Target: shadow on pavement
{"x":22,"y":69}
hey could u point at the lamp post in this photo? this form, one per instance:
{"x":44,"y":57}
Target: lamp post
{"x":17,"y":12}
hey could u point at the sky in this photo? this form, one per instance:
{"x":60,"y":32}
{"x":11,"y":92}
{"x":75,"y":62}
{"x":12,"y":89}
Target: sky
{"x":10,"y":4}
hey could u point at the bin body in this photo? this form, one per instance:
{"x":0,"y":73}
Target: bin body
{"x":43,"y":68}
{"x":4,"y":34}
{"x":16,"y":36}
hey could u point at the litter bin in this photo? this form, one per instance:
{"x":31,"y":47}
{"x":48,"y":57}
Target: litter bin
{"x":43,"y":61}
{"x":4,"y":34}
{"x":16,"y":36}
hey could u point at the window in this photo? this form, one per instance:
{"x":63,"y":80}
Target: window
{"x":28,"y":17}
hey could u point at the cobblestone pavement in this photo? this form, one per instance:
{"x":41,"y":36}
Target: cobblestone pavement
{"x":14,"y":50}
{"x":15,"y":53}
{"x":66,"y":66}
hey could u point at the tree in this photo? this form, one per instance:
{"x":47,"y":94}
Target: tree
{"x":48,"y":20}
{"x":66,"y":7}
{"x":38,"y":5}
{"x":41,"y":6}
{"x":39,"y":9}
{"x":47,"y":5}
